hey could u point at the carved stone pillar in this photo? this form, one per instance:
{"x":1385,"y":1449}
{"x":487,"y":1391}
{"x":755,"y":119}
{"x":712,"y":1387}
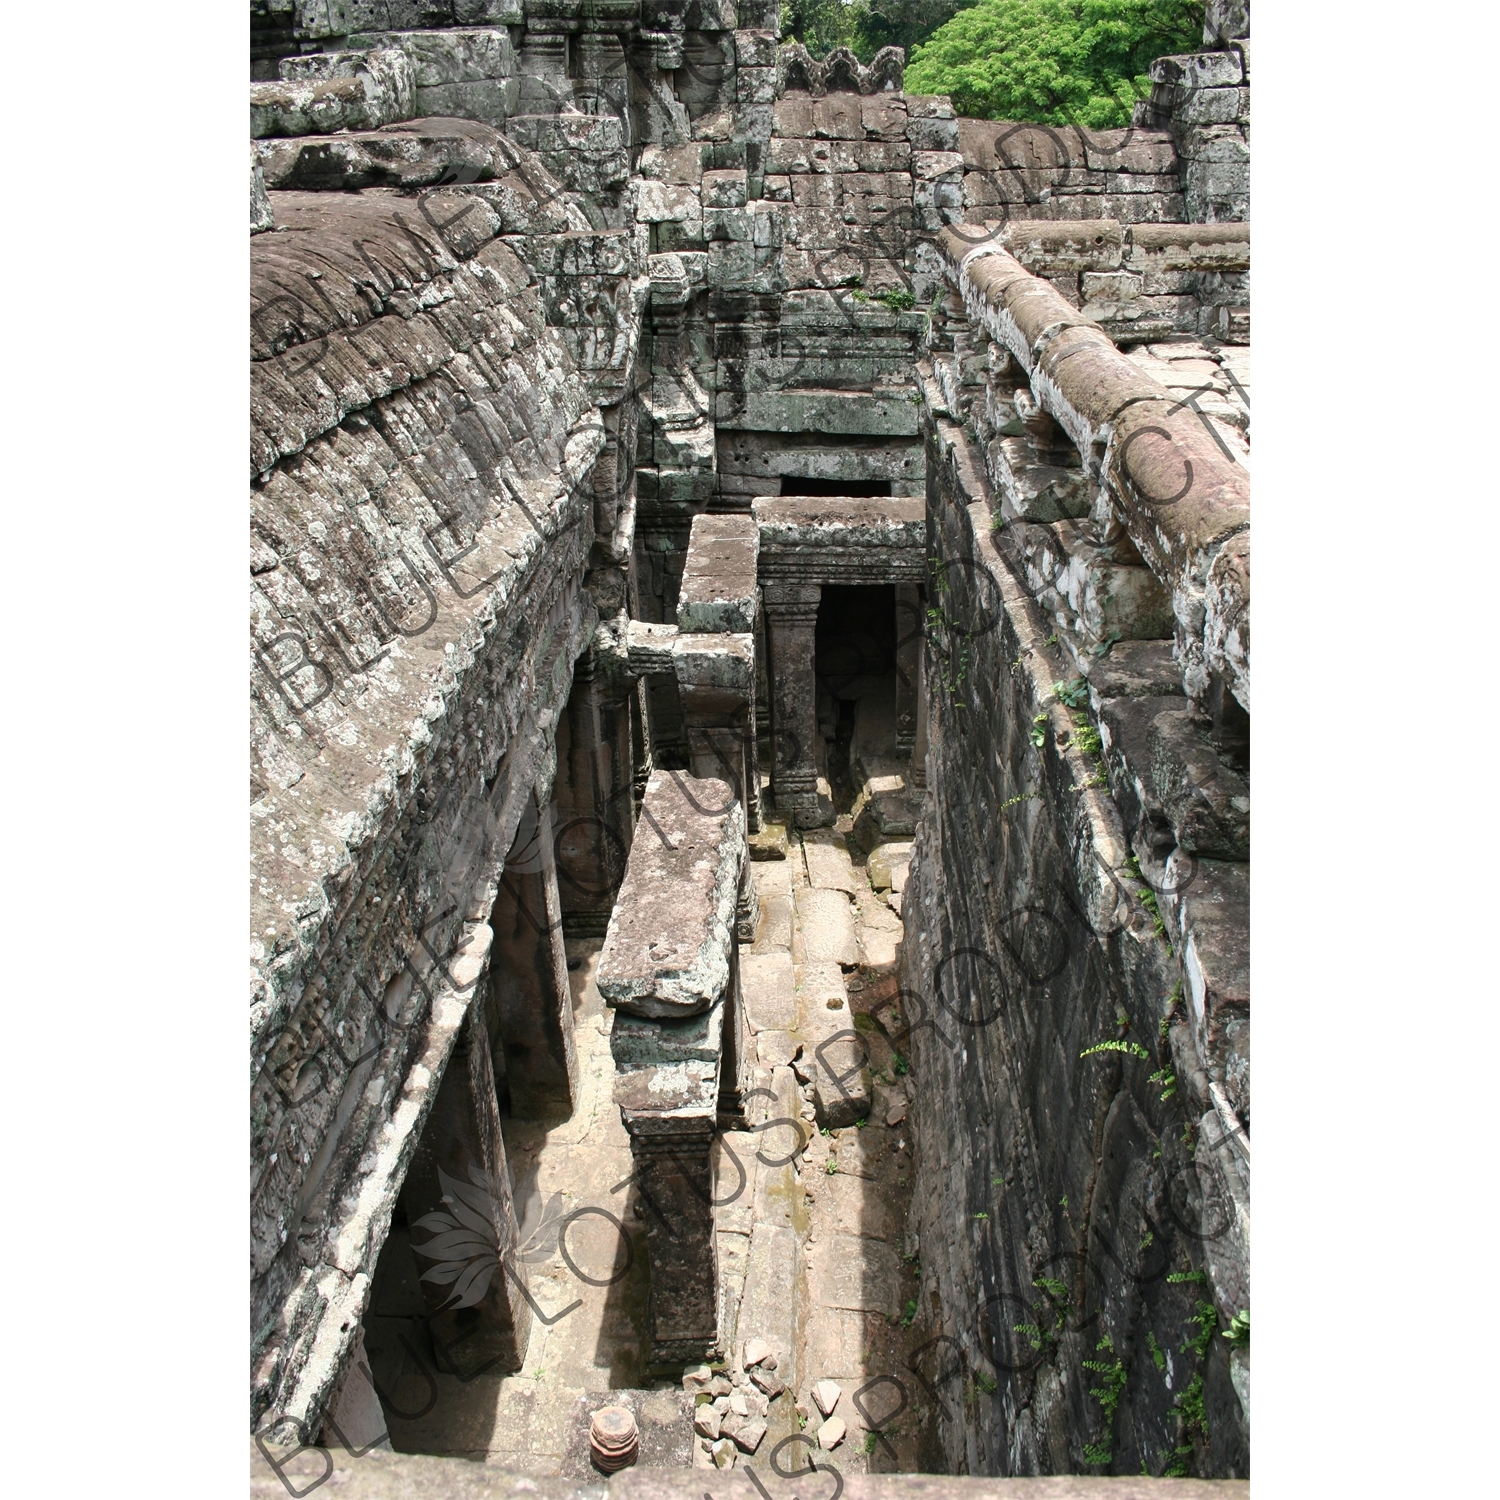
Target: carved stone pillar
{"x":791,"y":611}
{"x":908,"y":664}
{"x":529,"y":976}
{"x":667,"y":972}
{"x":461,"y":1157}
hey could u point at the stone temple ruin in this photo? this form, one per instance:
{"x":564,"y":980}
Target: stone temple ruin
{"x":750,"y":761}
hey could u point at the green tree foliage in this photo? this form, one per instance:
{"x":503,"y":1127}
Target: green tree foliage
{"x":1055,"y":62}
{"x":822,"y":25}
{"x":864,"y":26}
{"x":906,"y":23}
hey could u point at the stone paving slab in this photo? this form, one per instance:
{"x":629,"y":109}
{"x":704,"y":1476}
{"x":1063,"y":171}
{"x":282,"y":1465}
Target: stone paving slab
{"x":867,"y":1153}
{"x":827,"y":933}
{"x":829,"y":867}
{"x":820,"y":987}
{"x":775,"y":931}
{"x":774,"y":1048}
{"x":772,"y":879}
{"x":768,"y":984}
{"x":863,"y":1213}
{"x":857,"y":1275}
{"x":773,"y":1308}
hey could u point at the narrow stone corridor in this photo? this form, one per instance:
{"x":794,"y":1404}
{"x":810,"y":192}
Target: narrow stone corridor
{"x":811,"y":1195}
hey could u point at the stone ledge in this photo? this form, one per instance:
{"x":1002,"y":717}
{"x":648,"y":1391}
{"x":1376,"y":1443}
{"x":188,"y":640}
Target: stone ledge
{"x":380,"y":1475}
{"x":718,"y":579}
{"x":671,"y":935}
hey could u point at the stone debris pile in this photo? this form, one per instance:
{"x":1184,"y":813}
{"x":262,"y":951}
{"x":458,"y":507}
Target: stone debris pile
{"x":731,"y":1412}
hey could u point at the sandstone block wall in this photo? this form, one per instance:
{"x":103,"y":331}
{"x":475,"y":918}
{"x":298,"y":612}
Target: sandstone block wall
{"x":1076,"y":982}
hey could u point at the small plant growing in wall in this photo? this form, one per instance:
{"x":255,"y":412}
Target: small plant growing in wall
{"x":1207,"y":1320}
{"x":1107,"y":1393}
{"x":1131,"y":1049}
{"x":1086,"y":737}
{"x":1238,"y":1332}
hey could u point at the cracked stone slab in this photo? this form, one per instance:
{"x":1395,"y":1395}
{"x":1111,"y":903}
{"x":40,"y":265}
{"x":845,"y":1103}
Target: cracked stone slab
{"x":775,"y":924}
{"x":775,"y":1049}
{"x":768,"y":987}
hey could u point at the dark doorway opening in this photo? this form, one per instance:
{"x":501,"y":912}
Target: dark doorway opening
{"x":856,"y":679}
{"x":792,"y":484}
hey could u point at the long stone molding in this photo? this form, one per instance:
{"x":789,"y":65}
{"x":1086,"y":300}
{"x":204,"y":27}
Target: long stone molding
{"x":1151,"y":464}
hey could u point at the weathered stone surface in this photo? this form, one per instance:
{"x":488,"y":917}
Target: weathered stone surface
{"x":718,"y":590}
{"x":884,"y":861}
{"x":383,"y":1475}
{"x":828,"y":865}
{"x":1000,"y":841}
{"x":770,"y":843}
{"x":261,"y":217}
{"x":1227,"y":609}
{"x":464,"y":378}
{"x":357,"y":91}
{"x":1204,"y":799}
{"x":826,"y":921}
{"x":820,"y":527}
{"x":1197,"y":247}
{"x":668,"y":948}
{"x":769,"y":988}
{"x":1092,"y":245}
{"x":417,"y":153}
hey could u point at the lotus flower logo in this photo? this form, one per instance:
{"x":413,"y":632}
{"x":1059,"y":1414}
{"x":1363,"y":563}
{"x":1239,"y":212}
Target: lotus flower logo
{"x":464,"y":1241}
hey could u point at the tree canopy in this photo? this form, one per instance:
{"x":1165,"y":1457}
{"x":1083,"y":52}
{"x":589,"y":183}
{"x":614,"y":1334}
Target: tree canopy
{"x":864,"y":26}
{"x":1056,"y":62}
